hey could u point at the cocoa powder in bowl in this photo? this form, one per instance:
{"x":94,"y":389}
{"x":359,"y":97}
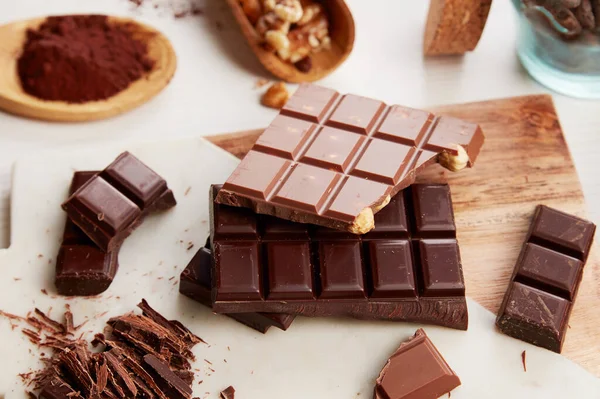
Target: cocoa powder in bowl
{"x":81,"y":58}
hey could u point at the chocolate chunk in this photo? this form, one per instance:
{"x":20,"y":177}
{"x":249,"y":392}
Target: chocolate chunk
{"x":543,"y":288}
{"x":113,"y":203}
{"x":416,"y":370}
{"x":81,"y":267}
{"x":228,"y":393}
{"x":56,"y":388}
{"x":195,"y":283}
{"x":407,"y":268}
{"x":173,"y":386}
{"x":335,"y":160}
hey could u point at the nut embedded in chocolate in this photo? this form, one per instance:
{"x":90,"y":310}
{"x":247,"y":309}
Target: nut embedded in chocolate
{"x":334,"y":160}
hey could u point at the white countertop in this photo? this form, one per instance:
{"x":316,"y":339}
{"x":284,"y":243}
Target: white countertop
{"x":213,"y":89}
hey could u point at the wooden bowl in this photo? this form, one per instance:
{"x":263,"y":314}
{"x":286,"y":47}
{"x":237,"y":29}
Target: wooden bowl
{"x":14,"y":100}
{"x":341,"y":29}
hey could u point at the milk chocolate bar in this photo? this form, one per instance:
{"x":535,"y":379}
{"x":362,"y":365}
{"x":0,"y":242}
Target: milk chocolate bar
{"x":543,"y":288}
{"x":416,"y":370}
{"x":195,"y":283}
{"x":114,"y":202}
{"x":81,"y":267}
{"x":336,"y":160}
{"x":408,"y":268}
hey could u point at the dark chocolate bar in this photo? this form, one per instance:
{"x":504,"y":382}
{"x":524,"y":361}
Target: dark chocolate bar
{"x":408,"y":268}
{"x":543,"y":288}
{"x":81,"y":267}
{"x":336,"y":160}
{"x":195,"y":283}
{"x":114,"y":202}
{"x":416,"y":370}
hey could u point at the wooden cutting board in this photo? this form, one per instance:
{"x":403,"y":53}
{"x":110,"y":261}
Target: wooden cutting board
{"x":525,"y":162}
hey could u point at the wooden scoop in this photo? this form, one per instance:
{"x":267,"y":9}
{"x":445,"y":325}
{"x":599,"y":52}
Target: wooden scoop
{"x":14,"y":100}
{"x":341,"y":30}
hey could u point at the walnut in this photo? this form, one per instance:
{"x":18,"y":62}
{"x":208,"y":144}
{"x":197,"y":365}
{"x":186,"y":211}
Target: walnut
{"x":270,"y":21}
{"x":289,"y":10}
{"x":311,"y":11}
{"x":276,"y":96}
{"x":277,"y":39}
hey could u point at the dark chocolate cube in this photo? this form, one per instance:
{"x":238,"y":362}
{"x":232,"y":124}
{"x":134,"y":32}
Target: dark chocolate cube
{"x":134,"y":179}
{"x":341,"y":270}
{"x":84,"y":270}
{"x":562,"y":232}
{"x":441,"y":267}
{"x":290,"y":275}
{"x":535,"y":316}
{"x":391,"y":222}
{"x":392,"y":270}
{"x":280,"y":229}
{"x":101,"y":202}
{"x":238,"y":275}
{"x":434,"y":217}
{"x":549,"y":271}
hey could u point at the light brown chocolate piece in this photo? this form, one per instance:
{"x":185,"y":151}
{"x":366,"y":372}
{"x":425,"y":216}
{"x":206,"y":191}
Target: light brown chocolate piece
{"x":416,"y":370}
{"x":454,"y":26}
{"x":336,"y":160}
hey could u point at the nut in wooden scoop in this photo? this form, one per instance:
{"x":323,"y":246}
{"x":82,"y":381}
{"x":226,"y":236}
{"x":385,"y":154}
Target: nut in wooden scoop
{"x":297,"y":40}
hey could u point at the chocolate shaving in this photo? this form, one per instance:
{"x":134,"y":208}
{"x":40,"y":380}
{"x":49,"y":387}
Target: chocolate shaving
{"x":120,"y":369}
{"x":524,"y":360}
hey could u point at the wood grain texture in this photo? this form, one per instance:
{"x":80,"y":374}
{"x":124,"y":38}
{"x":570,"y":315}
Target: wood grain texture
{"x":15,"y":101}
{"x":524,"y":162}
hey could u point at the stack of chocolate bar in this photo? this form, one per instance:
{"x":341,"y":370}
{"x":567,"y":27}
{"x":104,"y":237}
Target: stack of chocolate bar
{"x":320,"y":218}
{"x":103,"y":209}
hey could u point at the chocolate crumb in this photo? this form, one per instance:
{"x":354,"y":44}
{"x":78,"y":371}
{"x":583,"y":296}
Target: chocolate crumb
{"x":524,"y":360}
{"x":228,"y":393}
{"x":190,"y":246}
{"x":40,"y":256}
{"x":228,"y":348}
{"x":260,"y":83}
{"x":208,"y":362}
{"x":187,"y":190}
{"x":225,"y":360}
{"x":17,"y":278}
{"x":44,"y":291}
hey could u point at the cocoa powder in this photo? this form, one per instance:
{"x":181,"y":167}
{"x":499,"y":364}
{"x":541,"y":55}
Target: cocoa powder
{"x":81,"y":58}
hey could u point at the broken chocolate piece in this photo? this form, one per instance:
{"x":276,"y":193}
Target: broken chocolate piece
{"x":544,"y":284}
{"x":228,"y":393}
{"x":336,"y":160}
{"x":416,"y":370}
{"x":114,"y":202}
{"x":82,"y":268}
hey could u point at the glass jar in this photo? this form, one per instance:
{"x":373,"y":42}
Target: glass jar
{"x":558,"y":55}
